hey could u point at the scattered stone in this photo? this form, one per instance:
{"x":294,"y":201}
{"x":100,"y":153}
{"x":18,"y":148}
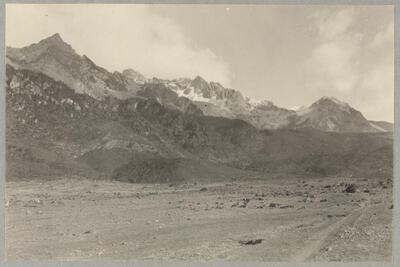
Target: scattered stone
{"x":308,"y":199}
{"x":273,"y":205}
{"x":323,"y":200}
{"x":391,"y":207}
{"x":57,"y":202}
{"x":336,"y":215}
{"x":245,"y":202}
{"x":203,"y":189}
{"x":351,"y":188}
{"x":251,"y":241}
{"x":286,"y":207}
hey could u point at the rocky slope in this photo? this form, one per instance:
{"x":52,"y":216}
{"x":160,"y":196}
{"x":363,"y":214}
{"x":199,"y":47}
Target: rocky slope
{"x":57,"y":59}
{"x":52,"y":131}
{"x":332,"y":115}
{"x":68,"y":116}
{"x":215,"y":100}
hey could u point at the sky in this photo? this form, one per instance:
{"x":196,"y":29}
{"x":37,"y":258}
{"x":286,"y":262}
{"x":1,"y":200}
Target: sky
{"x":291,"y":55}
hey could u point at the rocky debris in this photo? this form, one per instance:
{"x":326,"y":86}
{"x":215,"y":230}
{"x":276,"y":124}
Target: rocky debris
{"x":57,"y":202}
{"x":273,"y":205}
{"x":308,"y":199}
{"x":348,"y":233}
{"x":336,"y":215}
{"x":245,"y":201}
{"x":323,"y":200}
{"x":219,"y":205}
{"x":251,"y":241}
{"x":383,"y":185}
{"x":350,"y":188}
{"x":203,"y":189}
{"x":33,"y":203}
{"x":286,"y":206}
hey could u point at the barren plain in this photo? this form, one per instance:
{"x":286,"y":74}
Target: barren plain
{"x":285,"y":219}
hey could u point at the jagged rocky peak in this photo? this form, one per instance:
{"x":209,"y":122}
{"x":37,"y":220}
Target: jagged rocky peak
{"x":55,"y":39}
{"x":58,"y":60}
{"x":134,"y":75}
{"x":53,"y":42}
{"x":198,"y":81}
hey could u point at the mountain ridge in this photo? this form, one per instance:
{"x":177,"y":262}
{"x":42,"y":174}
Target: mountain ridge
{"x":57,"y":59}
{"x":53,"y":131}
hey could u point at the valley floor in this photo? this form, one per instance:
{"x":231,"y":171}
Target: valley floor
{"x":287,"y":220}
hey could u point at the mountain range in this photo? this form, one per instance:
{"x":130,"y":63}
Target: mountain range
{"x":65,"y":114}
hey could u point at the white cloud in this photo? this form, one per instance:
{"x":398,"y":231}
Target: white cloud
{"x":118,"y":37}
{"x":350,"y":66}
{"x":378,"y":81}
{"x":332,"y":26}
{"x":332,"y":63}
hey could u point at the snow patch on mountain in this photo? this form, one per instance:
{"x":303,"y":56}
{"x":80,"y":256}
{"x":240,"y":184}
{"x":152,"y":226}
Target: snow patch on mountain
{"x":190,"y":93}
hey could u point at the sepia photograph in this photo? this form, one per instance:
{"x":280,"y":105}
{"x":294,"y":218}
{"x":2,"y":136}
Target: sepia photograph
{"x":199,"y":132}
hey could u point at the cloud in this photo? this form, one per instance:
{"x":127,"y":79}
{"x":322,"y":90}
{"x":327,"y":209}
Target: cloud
{"x":352,"y":66}
{"x":118,"y":37}
{"x":332,"y":63}
{"x":332,"y":26}
{"x":377,"y":83}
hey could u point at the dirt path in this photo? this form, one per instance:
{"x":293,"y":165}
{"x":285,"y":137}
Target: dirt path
{"x":321,"y":239}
